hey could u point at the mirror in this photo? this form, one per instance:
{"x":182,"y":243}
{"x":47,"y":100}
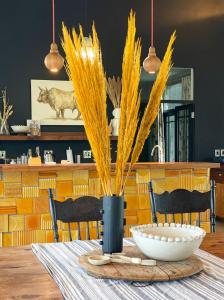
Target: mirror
{"x":180,"y":85}
{"x":171,"y":138}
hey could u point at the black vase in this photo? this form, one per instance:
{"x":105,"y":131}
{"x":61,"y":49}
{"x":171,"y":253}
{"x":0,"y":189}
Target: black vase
{"x":113,"y":224}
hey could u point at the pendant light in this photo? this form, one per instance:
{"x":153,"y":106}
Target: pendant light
{"x":152,"y":63}
{"x":87,"y":50}
{"x":54,"y":61}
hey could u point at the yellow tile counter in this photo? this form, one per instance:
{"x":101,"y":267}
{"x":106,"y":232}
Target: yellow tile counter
{"x":24,"y":209}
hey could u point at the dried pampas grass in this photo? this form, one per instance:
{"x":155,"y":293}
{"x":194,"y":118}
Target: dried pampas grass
{"x":90,"y":85}
{"x":88,"y":77}
{"x":114,"y":90}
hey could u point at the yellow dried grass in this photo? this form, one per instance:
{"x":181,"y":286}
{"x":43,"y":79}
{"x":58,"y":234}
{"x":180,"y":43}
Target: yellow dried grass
{"x":130,"y":101}
{"x":114,"y":91}
{"x":87,"y":75}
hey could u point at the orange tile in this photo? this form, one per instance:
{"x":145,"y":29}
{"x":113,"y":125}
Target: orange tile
{"x":80,"y":190}
{"x":64,"y":175}
{"x":132,"y":202}
{"x":144,"y":201}
{"x":1,"y":188}
{"x":4,"y":223}
{"x":144,"y":216}
{"x":8,"y":210}
{"x":12,"y":177}
{"x":131,"y":220}
{"x":50,"y":236}
{"x":46,"y":222}
{"x":142,"y":176}
{"x":24,"y":206}
{"x":6,"y":239}
{"x":43,"y":193}
{"x":40,"y":205}
{"x":130,"y":212}
{"x":30,"y":178}
{"x":172,"y":173}
{"x":7,"y":202}
{"x":32,"y":222}
{"x":16,"y":223}
{"x":81,"y":177}
{"x":12,"y":190}
{"x":64,"y":188}
{"x":30,"y":191}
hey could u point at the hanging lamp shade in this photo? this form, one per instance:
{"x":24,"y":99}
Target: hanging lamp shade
{"x":152,"y":63}
{"x":87,"y":51}
{"x":54,"y":62}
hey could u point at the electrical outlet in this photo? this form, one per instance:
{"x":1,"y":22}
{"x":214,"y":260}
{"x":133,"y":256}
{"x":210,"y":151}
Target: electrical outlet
{"x":217,"y":152}
{"x":2,"y":154}
{"x":87,"y":153}
{"x":222,"y":152}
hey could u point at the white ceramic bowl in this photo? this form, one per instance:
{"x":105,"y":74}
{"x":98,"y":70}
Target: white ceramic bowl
{"x":20,"y":128}
{"x":168,"y":242}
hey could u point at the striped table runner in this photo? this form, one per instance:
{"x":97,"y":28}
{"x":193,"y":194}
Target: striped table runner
{"x":61,"y":261}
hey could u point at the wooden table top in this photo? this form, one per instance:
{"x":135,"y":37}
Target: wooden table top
{"x":22,"y":276}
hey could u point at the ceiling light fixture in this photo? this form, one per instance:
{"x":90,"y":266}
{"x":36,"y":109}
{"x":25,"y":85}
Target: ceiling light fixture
{"x":152,"y":63}
{"x":87,"y":49}
{"x":54,"y":62}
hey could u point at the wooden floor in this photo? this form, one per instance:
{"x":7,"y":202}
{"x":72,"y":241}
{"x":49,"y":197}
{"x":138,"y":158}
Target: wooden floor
{"x":22,"y":276}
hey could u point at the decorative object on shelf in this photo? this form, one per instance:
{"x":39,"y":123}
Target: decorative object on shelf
{"x":69,"y":155}
{"x":20,"y":128}
{"x":152,"y":63}
{"x":168,"y":242}
{"x":114,"y":93}
{"x":54,"y":103}
{"x":88,"y":73}
{"x":35,"y":128}
{"x":7,"y":111}
{"x":54,"y":62}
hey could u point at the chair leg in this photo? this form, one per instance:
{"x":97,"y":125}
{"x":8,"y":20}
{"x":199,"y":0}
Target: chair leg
{"x":79,"y":232}
{"x":55,"y":230}
{"x":97,"y":230}
{"x":212,"y":211}
{"x":88,"y":233}
{"x":152,"y":203}
{"x":69,"y":231}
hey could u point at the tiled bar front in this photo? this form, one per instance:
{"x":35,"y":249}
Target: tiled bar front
{"x":24,"y":208}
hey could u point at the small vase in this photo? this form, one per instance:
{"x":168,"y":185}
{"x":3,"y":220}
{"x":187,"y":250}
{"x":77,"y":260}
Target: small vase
{"x":115,"y":122}
{"x":113,"y":224}
{"x":4,"y":128}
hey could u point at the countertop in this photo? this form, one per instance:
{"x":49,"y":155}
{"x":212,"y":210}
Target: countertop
{"x":92,"y":166}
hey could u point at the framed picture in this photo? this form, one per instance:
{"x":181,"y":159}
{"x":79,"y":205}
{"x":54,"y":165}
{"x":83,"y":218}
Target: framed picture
{"x":53,"y":103}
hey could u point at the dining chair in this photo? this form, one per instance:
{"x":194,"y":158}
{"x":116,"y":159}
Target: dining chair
{"x":181,"y":201}
{"x":84,"y":209}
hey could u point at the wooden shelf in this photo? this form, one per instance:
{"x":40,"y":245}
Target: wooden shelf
{"x":50,"y":136}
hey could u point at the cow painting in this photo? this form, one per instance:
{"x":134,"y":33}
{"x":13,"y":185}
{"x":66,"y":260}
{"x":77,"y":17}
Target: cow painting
{"x":59,"y":100}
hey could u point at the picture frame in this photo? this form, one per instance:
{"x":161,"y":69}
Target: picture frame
{"x":53,"y":103}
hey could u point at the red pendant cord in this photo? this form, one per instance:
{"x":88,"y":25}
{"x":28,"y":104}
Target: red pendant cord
{"x":152,"y":23}
{"x":53,"y":21}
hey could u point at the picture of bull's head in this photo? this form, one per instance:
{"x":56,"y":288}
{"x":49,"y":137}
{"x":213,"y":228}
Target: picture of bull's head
{"x":43,"y":95}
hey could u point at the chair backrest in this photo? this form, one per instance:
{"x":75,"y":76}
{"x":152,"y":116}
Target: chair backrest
{"x":83,"y":209}
{"x":182,"y":202}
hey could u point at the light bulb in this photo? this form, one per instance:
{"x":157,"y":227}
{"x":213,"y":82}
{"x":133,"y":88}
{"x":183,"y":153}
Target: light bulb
{"x":152,"y":63}
{"x":54,"y":62}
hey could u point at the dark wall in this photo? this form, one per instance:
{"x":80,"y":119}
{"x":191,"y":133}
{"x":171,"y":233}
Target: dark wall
{"x":25,"y":36}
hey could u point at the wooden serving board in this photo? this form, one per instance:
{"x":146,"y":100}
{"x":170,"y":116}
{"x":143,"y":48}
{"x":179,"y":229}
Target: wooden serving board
{"x":163,"y":271}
